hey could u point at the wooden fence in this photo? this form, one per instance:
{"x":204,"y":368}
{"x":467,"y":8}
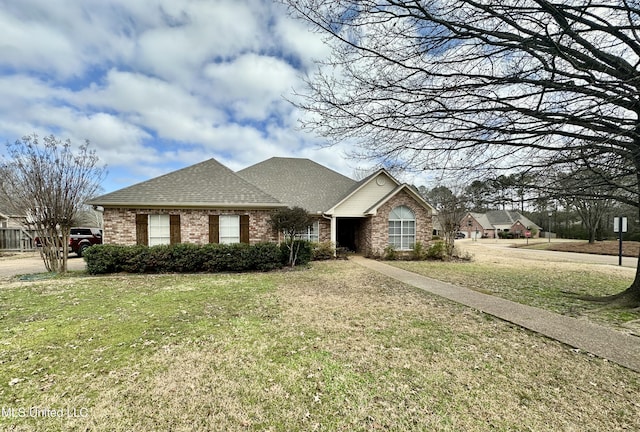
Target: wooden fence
{"x":16,"y":239}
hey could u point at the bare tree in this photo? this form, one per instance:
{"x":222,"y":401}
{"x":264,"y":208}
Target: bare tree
{"x":291,"y":221}
{"x":530,"y":85}
{"x":450,"y":210}
{"x":583,"y":192}
{"x":48,"y":183}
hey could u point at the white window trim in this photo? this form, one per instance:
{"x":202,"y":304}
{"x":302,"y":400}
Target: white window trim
{"x":229,"y":229}
{"x":159,"y":227}
{"x":312,"y":233}
{"x":407,"y":241}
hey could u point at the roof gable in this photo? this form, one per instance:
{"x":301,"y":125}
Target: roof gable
{"x":205,"y":184}
{"x":403,"y":187}
{"x":299,"y":182}
{"x":364,"y":193}
{"x":370,"y":193}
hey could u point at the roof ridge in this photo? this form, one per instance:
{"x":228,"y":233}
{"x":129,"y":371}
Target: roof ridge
{"x":197,"y":182}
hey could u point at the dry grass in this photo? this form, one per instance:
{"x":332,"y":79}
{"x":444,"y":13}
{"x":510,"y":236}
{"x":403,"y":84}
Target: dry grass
{"x":540,"y":280}
{"x":608,"y":247}
{"x":336,"y":347}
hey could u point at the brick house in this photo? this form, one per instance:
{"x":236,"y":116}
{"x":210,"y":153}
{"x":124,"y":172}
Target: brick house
{"x":491,"y":223}
{"x":209,"y":203}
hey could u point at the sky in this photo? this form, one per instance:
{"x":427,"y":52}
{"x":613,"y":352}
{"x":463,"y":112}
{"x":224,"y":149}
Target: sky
{"x":157,"y":85}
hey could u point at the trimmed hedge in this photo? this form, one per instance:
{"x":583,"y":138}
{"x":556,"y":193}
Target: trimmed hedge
{"x":187,"y":258}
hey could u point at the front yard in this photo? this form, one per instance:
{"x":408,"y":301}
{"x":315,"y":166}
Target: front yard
{"x":334,"y":347}
{"x":555,"y":286}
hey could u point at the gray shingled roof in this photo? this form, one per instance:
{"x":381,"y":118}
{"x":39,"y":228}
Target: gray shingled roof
{"x":503,"y":218}
{"x":299,"y":182}
{"x":208,"y":183}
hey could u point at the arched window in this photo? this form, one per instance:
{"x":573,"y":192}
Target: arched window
{"x":402,"y":228}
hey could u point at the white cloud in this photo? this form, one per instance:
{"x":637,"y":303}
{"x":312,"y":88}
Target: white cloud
{"x":295,"y":38}
{"x":159,"y":84}
{"x":28,"y":44}
{"x":252,"y":84}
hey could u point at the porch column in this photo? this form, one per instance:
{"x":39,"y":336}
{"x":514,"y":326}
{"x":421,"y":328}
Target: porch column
{"x":334,"y":236}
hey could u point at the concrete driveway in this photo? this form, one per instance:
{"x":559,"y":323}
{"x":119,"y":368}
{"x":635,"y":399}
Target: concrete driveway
{"x":30,"y":262}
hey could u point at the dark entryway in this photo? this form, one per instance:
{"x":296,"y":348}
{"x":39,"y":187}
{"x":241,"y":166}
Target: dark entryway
{"x":348,"y":233}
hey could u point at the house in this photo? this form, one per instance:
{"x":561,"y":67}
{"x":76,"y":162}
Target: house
{"x":209,"y":203}
{"x":491,"y":223}
{"x":8,"y":218}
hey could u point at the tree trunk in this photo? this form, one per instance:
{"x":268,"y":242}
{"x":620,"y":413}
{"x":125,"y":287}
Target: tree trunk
{"x":631,"y":296}
{"x":65,"y":250}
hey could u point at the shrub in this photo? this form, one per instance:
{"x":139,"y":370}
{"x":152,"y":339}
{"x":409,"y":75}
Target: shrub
{"x":342,"y":253}
{"x":185,"y":258}
{"x":323,"y":251}
{"x":418,"y":253}
{"x":265,"y":256}
{"x":438,"y":250}
{"x":225,"y":257}
{"x":390,"y":253}
{"x":103,"y":259}
{"x":304,"y":252}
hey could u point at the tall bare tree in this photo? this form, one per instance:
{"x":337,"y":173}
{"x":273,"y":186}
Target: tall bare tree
{"x":450,"y":210}
{"x":531,"y":85}
{"x":48,"y":183}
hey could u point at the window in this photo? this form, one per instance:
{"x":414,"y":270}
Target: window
{"x":402,"y":228}
{"x":311,"y":233}
{"x":159,"y":229}
{"x":81,"y":231}
{"x":229,"y":229}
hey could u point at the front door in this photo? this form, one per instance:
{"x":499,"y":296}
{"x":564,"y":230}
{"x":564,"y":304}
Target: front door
{"x":347,"y":233}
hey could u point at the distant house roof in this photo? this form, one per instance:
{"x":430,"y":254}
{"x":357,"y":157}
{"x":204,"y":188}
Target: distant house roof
{"x":502,"y":219}
{"x":483,"y":220}
{"x":299,"y":182}
{"x":205,"y":184}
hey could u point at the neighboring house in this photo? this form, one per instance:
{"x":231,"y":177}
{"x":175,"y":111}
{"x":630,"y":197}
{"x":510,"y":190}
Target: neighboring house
{"x":491,"y":223}
{"x":9,"y":219}
{"x":209,"y":203}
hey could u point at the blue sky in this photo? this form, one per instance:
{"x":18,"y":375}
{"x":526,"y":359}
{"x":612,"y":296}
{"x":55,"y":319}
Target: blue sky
{"x":157,"y":85}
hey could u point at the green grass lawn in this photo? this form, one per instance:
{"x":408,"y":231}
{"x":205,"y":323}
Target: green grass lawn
{"x":333,"y":347}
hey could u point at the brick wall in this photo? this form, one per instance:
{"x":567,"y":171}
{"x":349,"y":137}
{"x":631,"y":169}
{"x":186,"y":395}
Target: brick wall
{"x":324,"y":228}
{"x":120,"y":224}
{"x":376,"y":228}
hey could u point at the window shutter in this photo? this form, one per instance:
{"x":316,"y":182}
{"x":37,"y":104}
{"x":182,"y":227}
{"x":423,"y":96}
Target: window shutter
{"x":214,"y":229}
{"x":142,"y":229}
{"x":174,"y":229}
{"x":244,"y":229}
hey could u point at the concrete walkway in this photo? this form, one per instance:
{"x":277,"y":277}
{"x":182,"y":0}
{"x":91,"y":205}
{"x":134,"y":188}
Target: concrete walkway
{"x":620,"y":348}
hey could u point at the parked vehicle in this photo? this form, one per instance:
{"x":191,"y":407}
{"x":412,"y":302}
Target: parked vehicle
{"x":460,"y":235}
{"x":83,"y":238}
{"x":80,"y":239}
